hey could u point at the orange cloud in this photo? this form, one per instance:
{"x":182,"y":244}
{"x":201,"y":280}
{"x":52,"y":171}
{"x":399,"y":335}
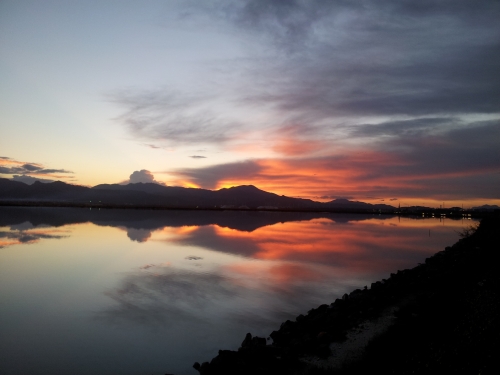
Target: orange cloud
{"x":313,"y":177}
{"x":405,"y":160}
{"x":294,"y":147}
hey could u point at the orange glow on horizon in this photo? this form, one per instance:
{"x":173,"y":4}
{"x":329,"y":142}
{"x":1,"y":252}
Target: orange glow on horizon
{"x":185,"y":184}
{"x":326,"y":178}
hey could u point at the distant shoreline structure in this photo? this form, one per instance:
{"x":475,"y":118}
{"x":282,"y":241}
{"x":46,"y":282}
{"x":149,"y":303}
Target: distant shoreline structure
{"x":427,"y":213}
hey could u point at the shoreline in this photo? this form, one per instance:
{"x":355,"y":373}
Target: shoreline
{"x":427,"y":213}
{"x":441,"y":316}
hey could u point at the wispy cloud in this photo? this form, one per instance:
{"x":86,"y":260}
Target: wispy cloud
{"x":30,"y":172}
{"x":197,"y":157}
{"x":173,"y":117}
{"x":151,"y":146}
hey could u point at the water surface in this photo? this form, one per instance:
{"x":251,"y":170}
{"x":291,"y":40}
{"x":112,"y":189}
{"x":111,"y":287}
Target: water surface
{"x":151,"y":292}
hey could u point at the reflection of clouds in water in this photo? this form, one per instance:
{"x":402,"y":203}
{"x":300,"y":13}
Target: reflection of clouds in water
{"x":166,"y":295}
{"x":192,"y":257}
{"x":370,"y":248}
{"x":207,"y":237}
{"x":22,"y":226}
{"x":25,"y":236}
{"x":139,"y":235}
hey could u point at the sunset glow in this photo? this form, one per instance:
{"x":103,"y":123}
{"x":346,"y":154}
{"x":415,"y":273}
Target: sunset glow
{"x":319,"y":100}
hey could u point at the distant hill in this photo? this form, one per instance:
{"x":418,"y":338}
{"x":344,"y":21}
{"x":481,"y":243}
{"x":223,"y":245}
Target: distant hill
{"x":150,"y":194}
{"x":486,"y":207}
{"x":347,"y":204}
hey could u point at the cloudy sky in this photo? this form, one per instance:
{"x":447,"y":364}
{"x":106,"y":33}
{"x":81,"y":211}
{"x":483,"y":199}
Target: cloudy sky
{"x":370,"y":100}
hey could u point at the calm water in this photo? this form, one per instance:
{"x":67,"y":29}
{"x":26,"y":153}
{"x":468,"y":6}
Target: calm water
{"x":150,"y":292}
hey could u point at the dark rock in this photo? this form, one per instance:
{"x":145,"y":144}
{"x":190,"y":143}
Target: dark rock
{"x":323,"y":338}
{"x":247,"y":341}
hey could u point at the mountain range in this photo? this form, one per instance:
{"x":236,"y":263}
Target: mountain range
{"x":154,"y":195}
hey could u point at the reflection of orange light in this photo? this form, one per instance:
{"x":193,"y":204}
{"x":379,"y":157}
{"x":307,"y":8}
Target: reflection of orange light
{"x":8,"y":243}
{"x":321,"y":240}
{"x":181,"y":230}
{"x":221,"y":231}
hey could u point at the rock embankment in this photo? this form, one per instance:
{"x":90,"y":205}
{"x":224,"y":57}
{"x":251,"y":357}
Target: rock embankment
{"x":441,"y":316}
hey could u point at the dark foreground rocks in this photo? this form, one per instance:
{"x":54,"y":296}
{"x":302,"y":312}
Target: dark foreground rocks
{"x":446,"y":315}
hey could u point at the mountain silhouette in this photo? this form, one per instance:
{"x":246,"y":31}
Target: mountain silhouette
{"x":155,"y":195}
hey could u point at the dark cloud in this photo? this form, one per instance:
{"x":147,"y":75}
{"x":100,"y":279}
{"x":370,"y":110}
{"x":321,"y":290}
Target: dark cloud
{"x":391,"y":58}
{"x":23,"y":171}
{"x":209,"y":176}
{"x":388,"y":58}
{"x":405,"y":128}
{"x":49,"y":171}
{"x":31,"y":167}
{"x":287,"y":22}
{"x":5,"y":170}
{"x":461,"y":162}
{"x":151,"y":146}
{"x":27,"y":236}
{"x":138,"y":235}
{"x":192,"y":257}
{"x":30,"y":170}
{"x":198,"y":157}
{"x":463,"y":150}
{"x":4,"y":157}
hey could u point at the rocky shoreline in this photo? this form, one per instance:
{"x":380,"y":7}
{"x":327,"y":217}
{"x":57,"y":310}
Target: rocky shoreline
{"x":440,"y":316}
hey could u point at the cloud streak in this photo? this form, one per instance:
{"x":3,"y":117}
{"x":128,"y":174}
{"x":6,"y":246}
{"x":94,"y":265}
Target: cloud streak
{"x":172,"y":116}
{"x":30,"y":172}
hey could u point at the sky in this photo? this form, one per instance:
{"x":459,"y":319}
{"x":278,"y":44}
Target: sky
{"x":389,"y":101}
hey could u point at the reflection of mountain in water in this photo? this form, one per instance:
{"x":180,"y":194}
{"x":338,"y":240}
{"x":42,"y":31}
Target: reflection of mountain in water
{"x":144,"y":221}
